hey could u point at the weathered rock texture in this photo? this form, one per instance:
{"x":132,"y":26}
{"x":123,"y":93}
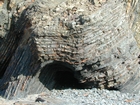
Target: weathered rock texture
{"x":68,"y":43}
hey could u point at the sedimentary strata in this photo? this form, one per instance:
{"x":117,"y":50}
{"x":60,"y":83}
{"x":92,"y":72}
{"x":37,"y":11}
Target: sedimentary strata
{"x":69,"y":43}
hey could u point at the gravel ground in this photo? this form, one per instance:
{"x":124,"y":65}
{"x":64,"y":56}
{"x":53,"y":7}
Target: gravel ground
{"x":96,"y":96}
{"x":77,"y":97}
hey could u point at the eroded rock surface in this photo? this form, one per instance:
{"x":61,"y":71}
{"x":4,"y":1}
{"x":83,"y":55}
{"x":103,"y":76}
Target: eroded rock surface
{"x":92,"y":42}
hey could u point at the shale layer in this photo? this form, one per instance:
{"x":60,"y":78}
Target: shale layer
{"x":68,"y":44}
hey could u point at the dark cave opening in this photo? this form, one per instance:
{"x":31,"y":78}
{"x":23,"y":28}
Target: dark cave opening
{"x":58,"y":76}
{"x":66,"y":79}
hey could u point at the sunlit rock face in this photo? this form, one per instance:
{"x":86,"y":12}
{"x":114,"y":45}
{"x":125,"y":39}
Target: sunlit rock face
{"x":69,"y":44}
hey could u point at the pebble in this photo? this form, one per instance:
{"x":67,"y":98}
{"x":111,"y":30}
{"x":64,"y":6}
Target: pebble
{"x":86,"y":97}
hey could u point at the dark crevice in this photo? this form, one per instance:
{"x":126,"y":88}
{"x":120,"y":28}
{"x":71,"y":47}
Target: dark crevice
{"x":113,"y":88}
{"x":4,"y":67}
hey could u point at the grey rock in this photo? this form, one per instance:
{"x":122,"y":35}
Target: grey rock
{"x":91,"y":46}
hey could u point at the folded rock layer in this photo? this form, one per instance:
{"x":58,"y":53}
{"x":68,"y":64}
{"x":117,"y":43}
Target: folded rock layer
{"x":69,"y":44}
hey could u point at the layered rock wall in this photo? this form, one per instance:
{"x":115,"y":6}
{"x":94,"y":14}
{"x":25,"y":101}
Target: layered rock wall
{"x":93,"y":40}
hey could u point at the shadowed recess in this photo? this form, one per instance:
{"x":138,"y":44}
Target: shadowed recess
{"x":58,"y":76}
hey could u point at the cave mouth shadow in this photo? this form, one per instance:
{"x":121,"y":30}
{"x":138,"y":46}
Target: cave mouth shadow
{"x":59,"y":76}
{"x":65,"y":80}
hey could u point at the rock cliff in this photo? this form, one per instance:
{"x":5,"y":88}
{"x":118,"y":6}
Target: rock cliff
{"x":68,"y":44}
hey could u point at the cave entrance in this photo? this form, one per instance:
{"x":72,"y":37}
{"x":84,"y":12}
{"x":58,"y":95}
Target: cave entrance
{"x":58,"y":76}
{"x":66,"y":79}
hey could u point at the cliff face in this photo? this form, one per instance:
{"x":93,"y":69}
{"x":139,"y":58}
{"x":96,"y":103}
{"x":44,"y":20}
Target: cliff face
{"x":66,"y":43}
{"x":136,"y":26}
